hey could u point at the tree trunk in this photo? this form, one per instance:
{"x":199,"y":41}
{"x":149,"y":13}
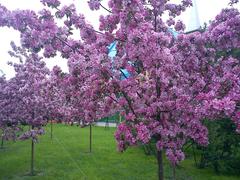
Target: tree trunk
{"x":32,"y":158}
{"x":174,"y":172}
{"x":2,"y":142}
{"x":160,"y":165}
{"x":119,"y":119}
{"x":159,"y":152}
{"x":90,"y":139}
{"x":194,"y":155}
{"x":107,"y":123}
{"x":51,"y":129}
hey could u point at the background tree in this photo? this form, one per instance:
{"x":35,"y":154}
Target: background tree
{"x":30,"y":105}
{"x":9,"y":125}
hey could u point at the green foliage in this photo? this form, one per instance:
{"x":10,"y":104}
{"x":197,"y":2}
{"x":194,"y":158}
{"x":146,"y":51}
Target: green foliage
{"x":233,"y":52}
{"x":223,"y":151}
{"x":150,"y":148}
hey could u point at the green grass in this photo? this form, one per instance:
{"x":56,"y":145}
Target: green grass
{"x":66,"y":157}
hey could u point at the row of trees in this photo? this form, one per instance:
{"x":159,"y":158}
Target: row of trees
{"x":174,"y":83}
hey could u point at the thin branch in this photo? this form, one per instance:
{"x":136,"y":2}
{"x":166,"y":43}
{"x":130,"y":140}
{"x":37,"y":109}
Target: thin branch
{"x":155,"y":23}
{"x":123,"y":74}
{"x":105,"y":8}
{"x":129,"y":102}
{"x":67,"y":44}
{"x":112,"y":98}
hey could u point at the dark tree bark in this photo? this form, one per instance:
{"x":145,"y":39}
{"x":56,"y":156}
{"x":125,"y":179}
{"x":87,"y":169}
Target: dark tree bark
{"x":194,"y":156}
{"x":90,"y":138}
{"x":107,"y":123}
{"x":160,"y":165}
{"x":32,"y":157}
{"x":51,"y":129}
{"x":2,"y":142}
{"x":159,"y":153}
{"x":174,"y":172}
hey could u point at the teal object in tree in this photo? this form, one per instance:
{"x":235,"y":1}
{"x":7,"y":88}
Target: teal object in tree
{"x":112,"y":49}
{"x":112,"y":52}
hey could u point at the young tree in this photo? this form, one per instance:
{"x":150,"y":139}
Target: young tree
{"x":53,"y":92}
{"x":27,"y":88}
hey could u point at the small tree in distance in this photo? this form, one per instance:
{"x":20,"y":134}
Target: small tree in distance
{"x":27,"y":88}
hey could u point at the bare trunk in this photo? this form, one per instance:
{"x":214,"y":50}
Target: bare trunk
{"x":174,"y":172}
{"x":51,"y":129}
{"x":2,"y":142}
{"x":118,"y":121}
{"x":32,"y":158}
{"x":160,"y":165}
{"x":194,"y":155}
{"x":107,"y":123}
{"x":90,"y":139}
{"x":159,"y":152}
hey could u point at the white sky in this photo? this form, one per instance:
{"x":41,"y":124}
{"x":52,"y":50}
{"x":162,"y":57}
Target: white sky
{"x":207,"y":10}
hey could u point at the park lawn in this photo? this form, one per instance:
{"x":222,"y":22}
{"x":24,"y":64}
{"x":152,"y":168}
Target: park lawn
{"x":67,"y":157}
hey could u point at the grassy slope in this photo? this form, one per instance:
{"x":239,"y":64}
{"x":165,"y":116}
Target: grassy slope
{"x":67,"y":157}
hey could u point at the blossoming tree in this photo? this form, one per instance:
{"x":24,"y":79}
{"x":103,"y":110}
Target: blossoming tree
{"x":8,"y":126}
{"x":174,"y":83}
{"x":27,"y":89}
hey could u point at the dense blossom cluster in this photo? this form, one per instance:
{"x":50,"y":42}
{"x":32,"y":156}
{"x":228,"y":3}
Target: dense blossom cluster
{"x":7,"y":125}
{"x":23,"y":96}
{"x":223,"y":32}
{"x":174,"y":83}
{"x":94,"y":4}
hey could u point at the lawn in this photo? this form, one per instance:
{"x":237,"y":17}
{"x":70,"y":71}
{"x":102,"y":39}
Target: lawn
{"x":67,"y":157}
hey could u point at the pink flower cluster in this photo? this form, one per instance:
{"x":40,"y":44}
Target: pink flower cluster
{"x":94,"y":4}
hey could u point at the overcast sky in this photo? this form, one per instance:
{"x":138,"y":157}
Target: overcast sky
{"x":206,"y":10}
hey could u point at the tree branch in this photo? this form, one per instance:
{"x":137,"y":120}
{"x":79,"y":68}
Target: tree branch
{"x":105,"y":8}
{"x":64,"y":42}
